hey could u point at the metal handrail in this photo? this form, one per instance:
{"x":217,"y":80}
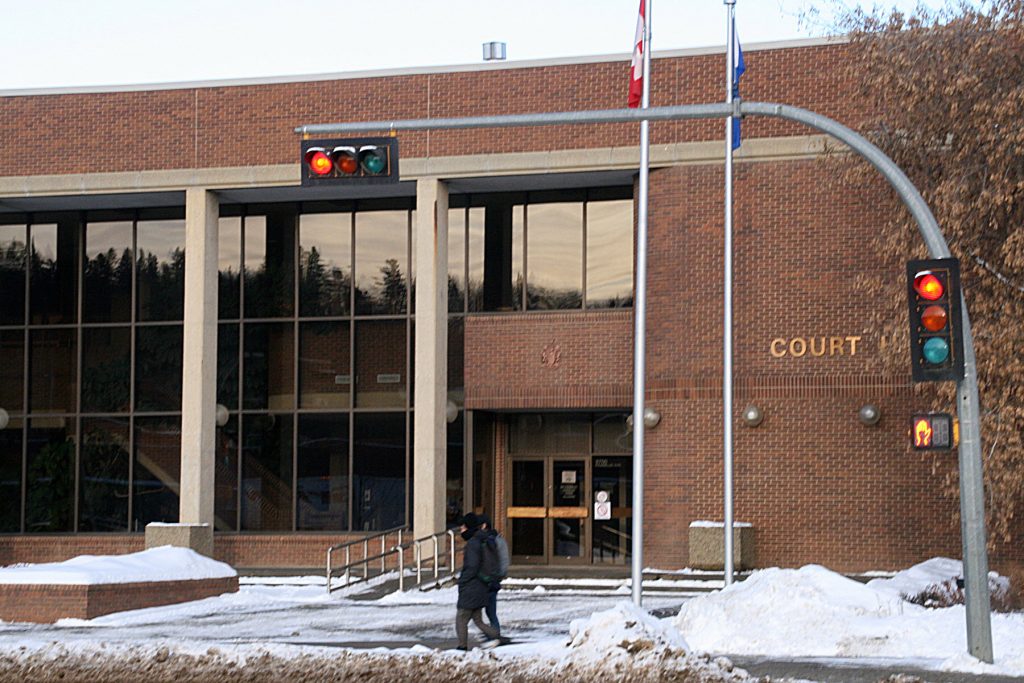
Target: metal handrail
{"x":417,"y":546}
{"x":366,"y":558}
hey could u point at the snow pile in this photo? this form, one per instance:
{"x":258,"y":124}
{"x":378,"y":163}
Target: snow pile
{"x":624,"y":628}
{"x":938,"y":573}
{"x":165,"y":563}
{"x":813,"y":612}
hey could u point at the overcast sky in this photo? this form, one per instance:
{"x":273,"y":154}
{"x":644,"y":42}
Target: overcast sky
{"x":57,"y":43}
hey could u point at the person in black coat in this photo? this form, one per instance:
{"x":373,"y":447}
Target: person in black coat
{"x":474,"y":592}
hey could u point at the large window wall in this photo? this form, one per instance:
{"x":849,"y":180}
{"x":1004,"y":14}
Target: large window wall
{"x":314,"y":365}
{"x":90,"y":341}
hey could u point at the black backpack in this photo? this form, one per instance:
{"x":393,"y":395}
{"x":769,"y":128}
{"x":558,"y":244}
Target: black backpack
{"x":490,"y":561}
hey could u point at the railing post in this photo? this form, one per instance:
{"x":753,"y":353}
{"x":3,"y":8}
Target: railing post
{"x":383,"y":558}
{"x":434,"y":539}
{"x":451,"y":552}
{"x":329,"y":571}
{"x":418,"y":554}
{"x":401,"y":567}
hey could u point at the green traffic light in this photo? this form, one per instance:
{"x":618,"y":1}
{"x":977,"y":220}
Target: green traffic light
{"x":936,"y":350}
{"x":374,"y":161}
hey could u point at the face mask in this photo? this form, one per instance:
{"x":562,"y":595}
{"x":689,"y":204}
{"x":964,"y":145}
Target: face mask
{"x":468,"y":534}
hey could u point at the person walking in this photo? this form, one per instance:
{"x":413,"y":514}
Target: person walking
{"x":494,"y":569}
{"x":474,"y":592}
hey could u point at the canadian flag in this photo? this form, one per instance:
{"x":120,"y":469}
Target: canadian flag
{"x":636,"y":69}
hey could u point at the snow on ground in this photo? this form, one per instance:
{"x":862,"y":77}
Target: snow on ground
{"x":777,"y":613}
{"x":156,"y":564}
{"x":813,"y":612}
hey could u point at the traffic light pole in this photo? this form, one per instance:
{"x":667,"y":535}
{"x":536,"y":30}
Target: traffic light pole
{"x":972,"y":502}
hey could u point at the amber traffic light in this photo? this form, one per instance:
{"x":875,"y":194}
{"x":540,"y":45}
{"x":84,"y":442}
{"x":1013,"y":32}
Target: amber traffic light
{"x":936,"y":338}
{"x":354,"y":160}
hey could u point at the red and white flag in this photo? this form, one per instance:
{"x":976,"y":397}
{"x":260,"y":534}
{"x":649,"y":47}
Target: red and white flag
{"x":636,"y":69}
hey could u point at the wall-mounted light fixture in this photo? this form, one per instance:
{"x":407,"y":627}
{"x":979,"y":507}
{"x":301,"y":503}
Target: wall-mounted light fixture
{"x":5,"y":419}
{"x":752,"y":415}
{"x":222,"y":415}
{"x":651,"y":419}
{"x":451,"y":412}
{"x":869,"y":414}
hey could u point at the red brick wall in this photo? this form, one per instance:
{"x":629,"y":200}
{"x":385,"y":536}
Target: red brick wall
{"x":549,"y":360}
{"x":253,"y":125}
{"x":44,"y":604}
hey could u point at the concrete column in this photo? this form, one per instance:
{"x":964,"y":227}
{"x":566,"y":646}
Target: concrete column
{"x":431,"y":397}
{"x":199,"y":379}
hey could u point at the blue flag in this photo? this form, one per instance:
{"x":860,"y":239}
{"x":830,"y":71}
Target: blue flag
{"x":738,"y":68}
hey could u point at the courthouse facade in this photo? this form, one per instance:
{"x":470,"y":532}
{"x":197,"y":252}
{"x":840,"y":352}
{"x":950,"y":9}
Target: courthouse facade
{"x":187,"y":334}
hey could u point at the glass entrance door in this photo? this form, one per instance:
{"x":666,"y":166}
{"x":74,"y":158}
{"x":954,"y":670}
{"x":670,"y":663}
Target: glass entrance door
{"x":549,"y":510}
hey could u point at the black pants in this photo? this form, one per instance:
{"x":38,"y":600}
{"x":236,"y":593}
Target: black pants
{"x":462,"y":617}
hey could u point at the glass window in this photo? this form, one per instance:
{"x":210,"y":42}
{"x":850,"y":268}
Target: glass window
{"x":609,"y":254}
{"x":382,"y":243}
{"x":454,"y":477}
{"x":554,"y":257}
{"x":225,"y":478}
{"x":156,"y":478}
{"x":475,"y":237}
{"x":378,"y":471}
{"x":158,"y":368}
{"x":380,"y":363}
{"x":325,"y":261}
{"x":322,"y":482}
{"x":456,"y":260}
{"x":106,"y":369}
{"x":543,"y":433}
{"x":53,"y":275}
{"x":103,"y":482}
{"x":161,"y":269}
{"x":52,"y":364}
{"x":12,"y":274}
{"x":456,"y":359}
{"x":12,"y":370}
{"x":325,"y":374}
{"x":267,"y":473}
{"x":227,"y":365}
{"x":518,"y":247}
{"x":611,"y":434}
{"x":107,"y":280}
{"x":268,"y":380}
{"x":50,"y":478}
{"x":10,"y":478}
{"x":229,"y":266}
{"x":270,"y":264}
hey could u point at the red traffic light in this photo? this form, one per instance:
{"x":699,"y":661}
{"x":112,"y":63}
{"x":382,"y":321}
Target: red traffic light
{"x":318,"y":162}
{"x":929,"y":286}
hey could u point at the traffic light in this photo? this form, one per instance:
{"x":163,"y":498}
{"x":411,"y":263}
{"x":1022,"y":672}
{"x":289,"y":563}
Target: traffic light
{"x":933,"y":432}
{"x":355,"y":160}
{"x":936,"y":336}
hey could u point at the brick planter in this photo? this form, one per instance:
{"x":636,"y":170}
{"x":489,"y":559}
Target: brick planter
{"x":46,"y":603}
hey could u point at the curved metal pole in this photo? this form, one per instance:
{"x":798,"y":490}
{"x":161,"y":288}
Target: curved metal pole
{"x":972,"y":495}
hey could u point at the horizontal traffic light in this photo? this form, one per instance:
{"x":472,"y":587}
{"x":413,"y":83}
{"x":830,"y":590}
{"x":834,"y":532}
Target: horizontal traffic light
{"x":933,"y":432}
{"x":361,"y":160}
{"x":936,"y":338}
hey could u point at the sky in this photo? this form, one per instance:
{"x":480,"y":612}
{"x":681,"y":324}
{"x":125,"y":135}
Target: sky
{"x":71,"y":43}
{"x":775,"y":613}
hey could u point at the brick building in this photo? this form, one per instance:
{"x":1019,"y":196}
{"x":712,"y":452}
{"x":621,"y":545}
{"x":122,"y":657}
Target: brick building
{"x":320,"y":396}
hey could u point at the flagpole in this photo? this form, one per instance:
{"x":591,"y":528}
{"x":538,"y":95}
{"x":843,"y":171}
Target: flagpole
{"x":640,"y":327}
{"x":727,"y":388}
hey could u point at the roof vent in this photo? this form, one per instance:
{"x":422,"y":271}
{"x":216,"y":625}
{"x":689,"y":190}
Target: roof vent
{"x":494,"y":52}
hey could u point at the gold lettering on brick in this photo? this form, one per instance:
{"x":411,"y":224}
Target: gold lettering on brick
{"x":798,"y":347}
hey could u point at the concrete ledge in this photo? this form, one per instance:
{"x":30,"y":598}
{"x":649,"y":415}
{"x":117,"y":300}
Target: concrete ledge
{"x":197,"y":537}
{"x":707,"y":545}
{"x":46,"y":603}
